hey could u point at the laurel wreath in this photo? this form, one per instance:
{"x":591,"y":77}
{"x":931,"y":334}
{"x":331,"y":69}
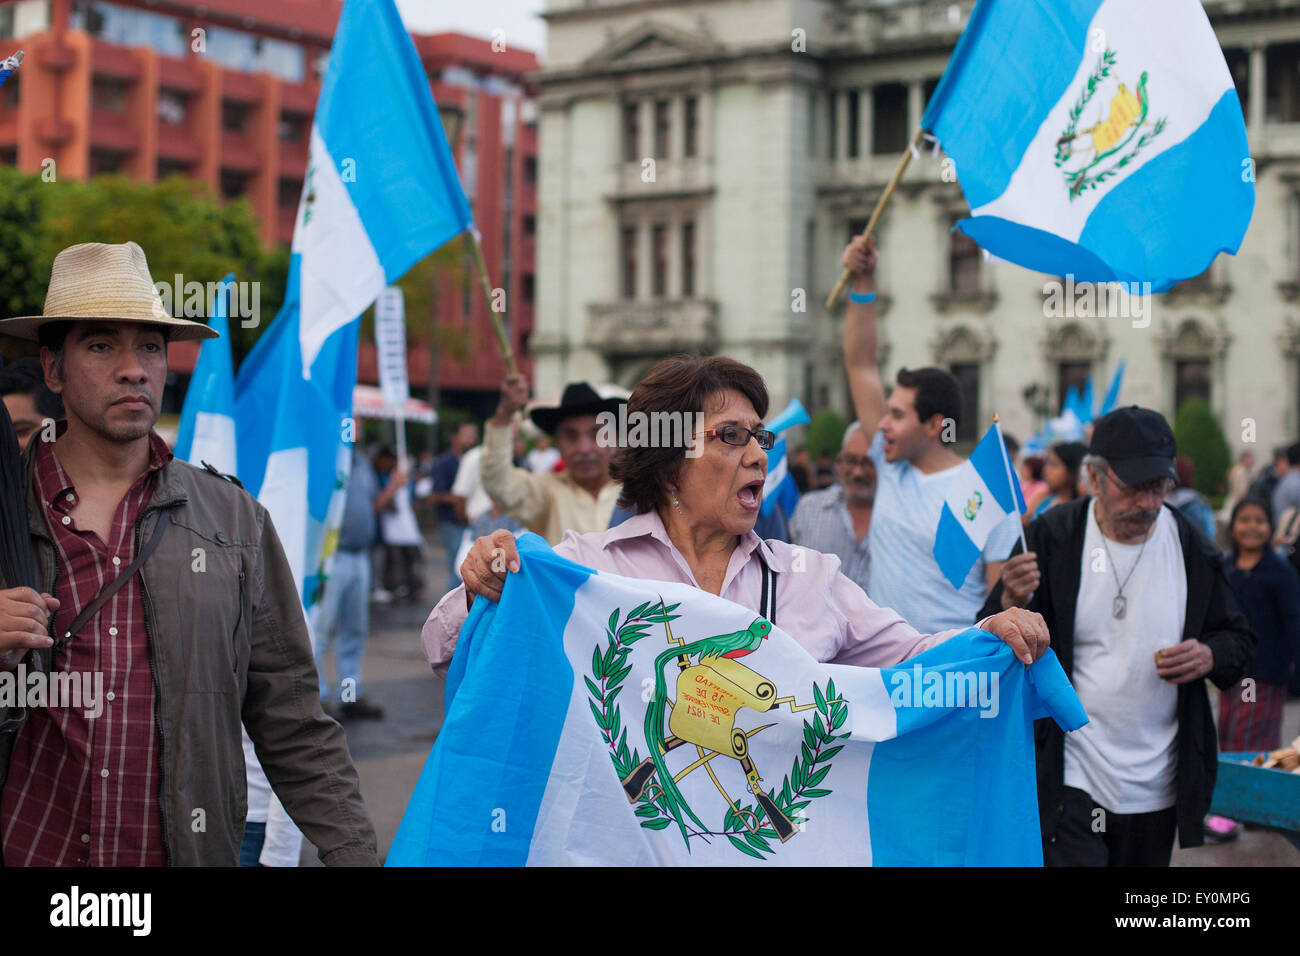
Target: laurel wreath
{"x":800,"y":786}
{"x":1077,"y":185}
{"x":1105,"y":64}
{"x":610,"y":669}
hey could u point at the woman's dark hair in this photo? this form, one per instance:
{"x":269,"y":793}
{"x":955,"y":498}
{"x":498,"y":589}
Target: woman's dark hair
{"x":684,"y":383}
{"x":1252,"y":501}
{"x":25,"y":376}
{"x":1071,"y":455}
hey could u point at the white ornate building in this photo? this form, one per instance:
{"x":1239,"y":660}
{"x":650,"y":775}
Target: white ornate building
{"x":703,"y":162}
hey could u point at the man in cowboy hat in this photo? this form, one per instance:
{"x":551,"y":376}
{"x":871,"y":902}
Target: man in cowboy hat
{"x":164,"y":586}
{"x":580,"y":498}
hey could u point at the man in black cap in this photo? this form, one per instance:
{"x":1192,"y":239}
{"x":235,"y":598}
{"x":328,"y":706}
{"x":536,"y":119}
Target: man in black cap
{"x":580,"y":498}
{"x":1139,"y":613}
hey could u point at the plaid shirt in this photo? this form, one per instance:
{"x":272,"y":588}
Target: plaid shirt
{"x":822,"y":522}
{"x":84,"y":791}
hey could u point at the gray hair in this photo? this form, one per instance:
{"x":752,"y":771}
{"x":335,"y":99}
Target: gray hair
{"x":1093,"y":462}
{"x":849,"y":432}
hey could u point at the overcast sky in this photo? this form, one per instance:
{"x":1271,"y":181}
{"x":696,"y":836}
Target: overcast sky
{"x":518,"y":18}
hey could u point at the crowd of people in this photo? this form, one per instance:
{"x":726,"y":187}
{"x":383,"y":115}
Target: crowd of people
{"x":1114,"y":565}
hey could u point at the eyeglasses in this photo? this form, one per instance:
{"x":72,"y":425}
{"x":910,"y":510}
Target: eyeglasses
{"x":855,"y":461}
{"x":740,"y":435}
{"x":1156,"y":486}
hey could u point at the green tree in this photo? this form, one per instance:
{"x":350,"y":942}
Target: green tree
{"x":825,"y":433}
{"x":22,"y":288}
{"x":1199,"y":437}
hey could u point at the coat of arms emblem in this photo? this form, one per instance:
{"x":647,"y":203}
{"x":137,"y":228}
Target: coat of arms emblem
{"x":703,"y":720}
{"x":1123,"y":128}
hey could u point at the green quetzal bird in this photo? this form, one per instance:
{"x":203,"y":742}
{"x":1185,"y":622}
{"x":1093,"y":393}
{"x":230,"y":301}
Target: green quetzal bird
{"x":735,"y":644}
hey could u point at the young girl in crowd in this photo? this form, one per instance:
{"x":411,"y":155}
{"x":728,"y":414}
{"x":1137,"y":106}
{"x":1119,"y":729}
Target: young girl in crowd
{"x":1060,"y":478}
{"x":1250,"y":713}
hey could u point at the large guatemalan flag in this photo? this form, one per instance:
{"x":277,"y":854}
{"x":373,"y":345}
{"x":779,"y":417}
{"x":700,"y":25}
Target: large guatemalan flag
{"x":598,"y":719}
{"x":207,"y":427}
{"x":1096,"y":138}
{"x":982,"y":494}
{"x":381,"y":193}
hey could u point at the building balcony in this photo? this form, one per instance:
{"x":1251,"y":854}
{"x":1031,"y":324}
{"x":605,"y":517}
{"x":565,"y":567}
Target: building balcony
{"x":180,"y":75}
{"x":918,"y":24}
{"x":653,"y":327}
{"x":116,"y":61}
{"x":175,"y":142}
{"x":237,"y":152}
{"x":109,"y":130}
{"x":54,"y":132}
{"x":293,"y":157}
{"x":671,"y":177}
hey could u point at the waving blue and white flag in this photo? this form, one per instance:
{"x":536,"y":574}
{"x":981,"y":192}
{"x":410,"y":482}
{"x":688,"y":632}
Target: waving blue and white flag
{"x":207,"y":428}
{"x":779,"y":486}
{"x":9,"y":64}
{"x":1101,"y":139}
{"x":982,"y":494}
{"x":598,"y":719}
{"x":381,"y":193}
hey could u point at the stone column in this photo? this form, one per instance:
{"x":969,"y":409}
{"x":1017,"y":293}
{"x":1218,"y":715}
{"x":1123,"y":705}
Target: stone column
{"x":1258,"y":92}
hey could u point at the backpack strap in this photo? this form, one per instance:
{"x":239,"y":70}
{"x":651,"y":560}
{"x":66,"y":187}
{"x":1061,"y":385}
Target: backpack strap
{"x":767,"y":600}
{"x":115,"y":585}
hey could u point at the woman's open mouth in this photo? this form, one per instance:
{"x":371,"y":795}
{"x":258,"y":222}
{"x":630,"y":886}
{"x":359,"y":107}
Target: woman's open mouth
{"x":750,"y":496}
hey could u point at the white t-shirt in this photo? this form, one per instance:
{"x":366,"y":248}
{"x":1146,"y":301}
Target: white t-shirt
{"x":1125,"y":757}
{"x":469,"y":484}
{"x":542,"y":462}
{"x":903,"y":574}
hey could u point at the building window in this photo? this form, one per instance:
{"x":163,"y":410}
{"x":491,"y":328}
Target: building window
{"x":1239,"y":66}
{"x":290,"y":192}
{"x":233,"y":183}
{"x":967,"y":375}
{"x":889,"y":119}
{"x":530,"y":170}
{"x":106,"y":161}
{"x":127,"y":26}
{"x":812,"y":124}
{"x":173,"y":107}
{"x":688,"y":260}
{"x":1191,"y":380}
{"x":234,"y":116}
{"x":528,"y":287}
{"x":108,"y":94}
{"x":631,"y":124}
{"x":530,"y":226}
{"x":629,"y":262}
{"x":809,"y":258}
{"x":690,"y":126}
{"x":659,"y":244}
{"x":293,"y":127}
{"x":663,"y":117}
{"x":852,"y":132}
{"x":250,"y":53}
{"x":172,"y":167}
{"x":1070,"y":375}
{"x":832,"y":125}
{"x":927,"y":90}
{"x":9,"y":92}
{"x":963,"y":264}
{"x":1283,"y":101}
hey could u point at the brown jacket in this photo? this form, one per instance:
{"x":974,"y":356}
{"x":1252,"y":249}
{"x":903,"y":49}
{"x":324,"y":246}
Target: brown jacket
{"x":228,"y":643}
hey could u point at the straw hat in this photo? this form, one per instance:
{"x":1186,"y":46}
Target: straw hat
{"x":106,"y":282}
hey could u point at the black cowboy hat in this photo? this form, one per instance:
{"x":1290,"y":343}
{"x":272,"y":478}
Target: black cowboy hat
{"x":579,"y":399}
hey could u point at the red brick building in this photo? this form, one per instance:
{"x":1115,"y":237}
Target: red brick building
{"x":224,"y":91}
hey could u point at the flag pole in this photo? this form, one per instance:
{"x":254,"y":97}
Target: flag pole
{"x":506,"y":351}
{"x":881,"y":203}
{"x":1006,"y":461}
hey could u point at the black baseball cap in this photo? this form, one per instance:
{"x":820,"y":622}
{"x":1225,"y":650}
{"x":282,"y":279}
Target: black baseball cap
{"x":1137,"y":442}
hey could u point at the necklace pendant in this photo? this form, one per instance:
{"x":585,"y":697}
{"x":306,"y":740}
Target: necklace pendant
{"x":1119,"y":607}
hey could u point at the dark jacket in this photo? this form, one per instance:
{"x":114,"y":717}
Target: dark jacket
{"x":1269,"y":593}
{"x":228,"y":642}
{"x":1212,"y":617}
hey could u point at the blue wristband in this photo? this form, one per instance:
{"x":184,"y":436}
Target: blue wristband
{"x":865,"y":298}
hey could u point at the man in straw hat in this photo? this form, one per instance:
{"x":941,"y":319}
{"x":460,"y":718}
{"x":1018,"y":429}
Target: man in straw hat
{"x":581,"y":498}
{"x":168,"y":600}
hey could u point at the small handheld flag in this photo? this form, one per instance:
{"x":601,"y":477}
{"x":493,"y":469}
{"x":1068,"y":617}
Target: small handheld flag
{"x":981,"y":495}
{"x":9,"y":65}
{"x":207,"y":428}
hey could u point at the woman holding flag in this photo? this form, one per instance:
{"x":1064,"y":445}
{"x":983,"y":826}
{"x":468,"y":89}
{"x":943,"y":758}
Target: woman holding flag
{"x":694,"y":524}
